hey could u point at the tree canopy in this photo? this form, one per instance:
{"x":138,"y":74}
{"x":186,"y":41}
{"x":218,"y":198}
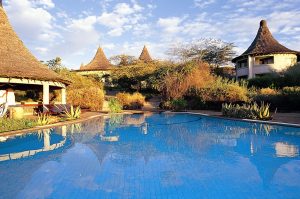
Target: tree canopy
{"x":214,"y":52}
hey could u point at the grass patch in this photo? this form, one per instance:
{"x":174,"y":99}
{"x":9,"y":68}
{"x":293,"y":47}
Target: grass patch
{"x":7,"y":124}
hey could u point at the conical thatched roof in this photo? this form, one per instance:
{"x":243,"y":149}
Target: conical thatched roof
{"x":16,"y":61}
{"x":100,"y":62}
{"x":145,"y":56}
{"x":264,"y":44}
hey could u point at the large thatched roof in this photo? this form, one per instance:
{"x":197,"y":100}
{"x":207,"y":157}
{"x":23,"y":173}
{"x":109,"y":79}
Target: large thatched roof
{"x":100,"y":62}
{"x":264,"y":44}
{"x":145,"y":56}
{"x":16,"y":61}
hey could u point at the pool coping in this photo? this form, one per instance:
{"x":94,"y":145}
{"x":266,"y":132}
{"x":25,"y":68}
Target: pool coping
{"x":101,"y":114}
{"x":36,"y":128}
{"x":242,"y":120}
{"x":58,"y":124}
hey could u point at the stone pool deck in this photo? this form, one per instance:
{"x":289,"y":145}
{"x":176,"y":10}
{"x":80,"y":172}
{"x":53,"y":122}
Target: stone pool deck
{"x":291,"y":118}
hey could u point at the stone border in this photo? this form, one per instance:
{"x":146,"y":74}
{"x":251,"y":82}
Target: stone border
{"x":30,"y":130}
{"x":58,"y":124}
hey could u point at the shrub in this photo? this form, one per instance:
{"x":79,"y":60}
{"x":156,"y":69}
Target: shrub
{"x":218,"y":92}
{"x":290,"y":77}
{"x":291,"y":91}
{"x":7,"y":124}
{"x":180,"y":79}
{"x":91,"y":98}
{"x":114,"y":106}
{"x":268,"y":80}
{"x":178,"y":104}
{"x":285,"y":99}
{"x":224,"y":90}
{"x":247,"y":111}
{"x":166,"y":105}
{"x":268,"y":91}
{"x":85,"y":92}
{"x":131,"y":101}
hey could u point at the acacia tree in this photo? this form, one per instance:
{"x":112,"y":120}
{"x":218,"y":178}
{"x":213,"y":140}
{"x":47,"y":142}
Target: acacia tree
{"x":123,"y":60}
{"x":214,"y":52}
{"x":55,"y":64}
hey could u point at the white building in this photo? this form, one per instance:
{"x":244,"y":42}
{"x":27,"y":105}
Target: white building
{"x":265,"y":55}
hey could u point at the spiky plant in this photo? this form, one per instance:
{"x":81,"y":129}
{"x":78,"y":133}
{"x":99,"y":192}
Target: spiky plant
{"x":73,"y":113}
{"x":43,"y":119}
{"x":264,"y":111}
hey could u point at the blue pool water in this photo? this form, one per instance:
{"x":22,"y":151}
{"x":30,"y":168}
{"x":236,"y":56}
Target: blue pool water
{"x":153,"y":156}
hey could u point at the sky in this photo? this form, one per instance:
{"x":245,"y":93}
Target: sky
{"x":74,"y":29}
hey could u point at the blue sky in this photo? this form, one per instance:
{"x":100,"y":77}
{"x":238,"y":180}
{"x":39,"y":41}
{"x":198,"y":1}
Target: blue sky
{"x":73,"y":29}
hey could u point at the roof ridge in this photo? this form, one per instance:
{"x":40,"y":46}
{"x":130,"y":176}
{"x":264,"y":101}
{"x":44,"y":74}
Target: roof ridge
{"x":145,"y":56}
{"x":99,"y":62}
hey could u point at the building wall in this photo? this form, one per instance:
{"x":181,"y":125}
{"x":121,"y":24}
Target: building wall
{"x":281,"y":62}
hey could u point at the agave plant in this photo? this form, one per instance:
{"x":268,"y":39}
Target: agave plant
{"x":73,"y":113}
{"x":264,"y":111}
{"x":247,"y":111}
{"x":43,"y":119}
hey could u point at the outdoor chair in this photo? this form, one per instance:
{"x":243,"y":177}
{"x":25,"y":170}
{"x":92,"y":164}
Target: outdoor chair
{"x":3,"y":109}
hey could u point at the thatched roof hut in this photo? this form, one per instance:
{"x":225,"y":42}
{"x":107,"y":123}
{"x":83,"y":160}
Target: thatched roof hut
{"x":264,"y":44}
{"x":16,"y":61}
{"x":265,"y":55}
{"x":19,"y":67}
{"x":145,"y":56}
{"x":99,"y":62}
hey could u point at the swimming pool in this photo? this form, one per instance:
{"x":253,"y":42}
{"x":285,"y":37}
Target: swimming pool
{"x":153,"y":156}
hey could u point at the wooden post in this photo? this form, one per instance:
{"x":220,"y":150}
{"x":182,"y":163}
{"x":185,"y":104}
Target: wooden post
{"x":250,"y":67}
{"x":46,"y":99}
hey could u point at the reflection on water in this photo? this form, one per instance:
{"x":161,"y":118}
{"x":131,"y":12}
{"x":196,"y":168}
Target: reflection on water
{"x":286,"y":150}
{"x":155,"y":156}
{"x":42,"y":136}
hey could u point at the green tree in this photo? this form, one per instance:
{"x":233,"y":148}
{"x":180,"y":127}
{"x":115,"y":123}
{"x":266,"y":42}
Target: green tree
{"x":214,"y":52}
{"x":123,"y":60}
{"x":55,"y":64}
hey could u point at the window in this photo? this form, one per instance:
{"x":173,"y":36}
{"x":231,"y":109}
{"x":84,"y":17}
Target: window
{"x":260,"y":75}
{"x":242,"y":64}
{"x":266,"y":60}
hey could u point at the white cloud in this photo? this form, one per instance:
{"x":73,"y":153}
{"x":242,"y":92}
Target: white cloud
{"x":41,"y":50}
{"x":122,"y":18}
{"x":203,"y":3}
{"x":31,"y":22}
{"x":170,"y":25}
{"x":80,"y":34}
{"x":44,"y":3}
